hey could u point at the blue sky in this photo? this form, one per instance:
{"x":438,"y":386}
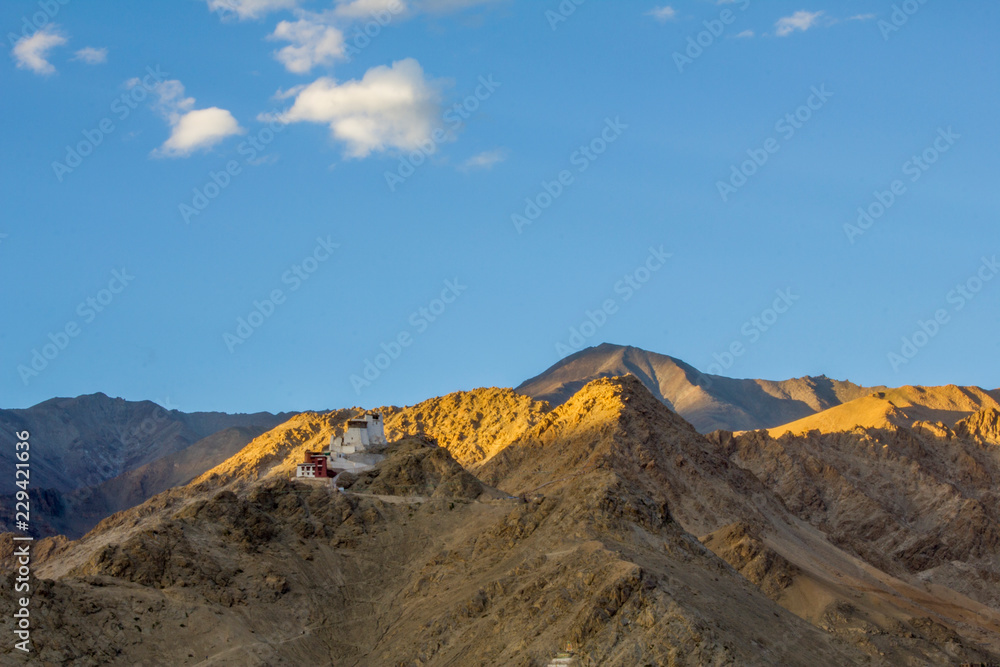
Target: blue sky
{"x":240,"y":204}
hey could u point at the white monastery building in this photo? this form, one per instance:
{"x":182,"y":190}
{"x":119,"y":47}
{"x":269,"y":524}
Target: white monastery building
{"x":355,"y":451}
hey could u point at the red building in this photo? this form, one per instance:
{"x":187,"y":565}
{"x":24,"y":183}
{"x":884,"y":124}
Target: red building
{"x":314,"y":466}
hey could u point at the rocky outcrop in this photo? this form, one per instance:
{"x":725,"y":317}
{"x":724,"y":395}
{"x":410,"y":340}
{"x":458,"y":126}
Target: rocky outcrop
{"x":415,"y":466}
{"x":982,"y":427}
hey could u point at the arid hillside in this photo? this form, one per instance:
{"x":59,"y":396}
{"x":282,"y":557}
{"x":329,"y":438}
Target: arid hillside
{"x":275,"y":572}
{"x":97,"y":455}
{"x":920,"y":502}
{"x":473,"y":425}
{"x":933,"y":408}
{"x":607,"y":523}
{"x":75,"y":512}
{"x":735,"y":511}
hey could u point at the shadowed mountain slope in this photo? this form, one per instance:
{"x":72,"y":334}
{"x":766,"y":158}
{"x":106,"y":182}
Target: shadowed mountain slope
{"x":918,"y":505}
{"x":93,"y":455}
{"x":75,"y":512}
{"x":87,"y":440}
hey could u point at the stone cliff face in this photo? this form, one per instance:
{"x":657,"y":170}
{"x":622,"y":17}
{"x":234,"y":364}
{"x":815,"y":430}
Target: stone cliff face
{"x":983,"y":427}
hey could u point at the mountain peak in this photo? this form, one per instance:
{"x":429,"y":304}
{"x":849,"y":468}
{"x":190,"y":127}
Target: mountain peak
{"x":709,"y":402}
{"x":621,"y":388}
{"x":617,"y":441}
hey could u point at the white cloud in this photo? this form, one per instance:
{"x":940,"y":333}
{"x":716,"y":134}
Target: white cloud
{"x":250,"y":9}
{"x":32,"y":52}
{"x":485,"y":160}
{"x":390,"y":107}
{"x":291,"y":92}
{"x":800,"y":20}
{"x":313,"y":43}
{"x":92,"y":56}
{"x":366,"y":8}
{"x":745,"y":34}
{"x":198,"y":129}
{"x":663,"y":14}
{"x":170,"y":98}
{"x":191,"y":129}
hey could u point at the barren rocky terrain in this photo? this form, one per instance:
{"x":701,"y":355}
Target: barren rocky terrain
{"x":101,"y":455}
{"x":499,"y":530}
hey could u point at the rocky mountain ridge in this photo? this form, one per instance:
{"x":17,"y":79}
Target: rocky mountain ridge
{"x":93,"y":455}
{"x":709,"y":402}
{"x":607,"y":522}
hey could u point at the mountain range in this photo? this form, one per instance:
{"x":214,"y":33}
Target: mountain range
{"x":600,"y":511}
{"x":94,"y":455}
